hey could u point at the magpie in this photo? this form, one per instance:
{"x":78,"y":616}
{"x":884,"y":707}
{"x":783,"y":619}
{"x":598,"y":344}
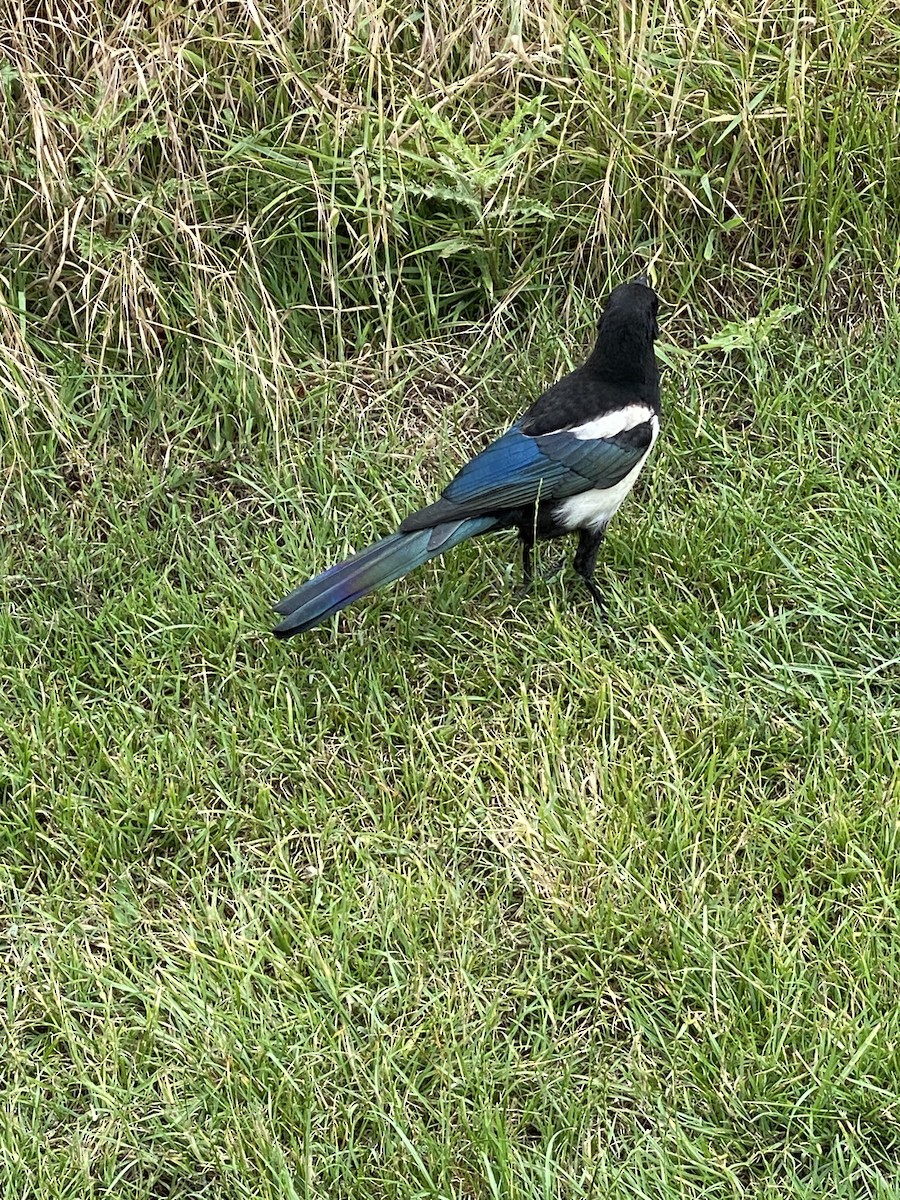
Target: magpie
{"x":566,"y":465}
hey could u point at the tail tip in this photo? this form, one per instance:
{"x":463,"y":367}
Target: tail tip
{"x":284,"y":607}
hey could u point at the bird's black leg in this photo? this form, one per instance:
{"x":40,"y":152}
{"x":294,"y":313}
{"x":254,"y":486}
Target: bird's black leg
{"x":586,"y":560}
{"x":527,"y":569}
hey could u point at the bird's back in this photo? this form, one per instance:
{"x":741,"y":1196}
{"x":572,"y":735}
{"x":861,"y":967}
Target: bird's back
{"x":583,"y":395}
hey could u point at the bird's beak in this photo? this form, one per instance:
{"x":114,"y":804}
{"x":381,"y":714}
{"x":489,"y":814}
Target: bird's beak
{"x":642,"y":280}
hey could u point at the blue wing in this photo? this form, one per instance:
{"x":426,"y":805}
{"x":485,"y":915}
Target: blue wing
{"x":518,"y":470}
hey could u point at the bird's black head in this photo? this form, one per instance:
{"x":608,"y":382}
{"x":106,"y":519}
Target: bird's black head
{"x":626,"y":333}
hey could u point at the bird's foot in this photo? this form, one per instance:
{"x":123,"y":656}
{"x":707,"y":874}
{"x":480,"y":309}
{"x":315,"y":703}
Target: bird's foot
{"x":545,"y":575}
{"x":596,"y":594}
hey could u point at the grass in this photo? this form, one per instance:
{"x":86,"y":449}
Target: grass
{"x":464,"y":895}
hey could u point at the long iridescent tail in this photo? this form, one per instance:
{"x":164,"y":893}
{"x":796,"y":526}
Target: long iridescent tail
{"x":369,"y":569}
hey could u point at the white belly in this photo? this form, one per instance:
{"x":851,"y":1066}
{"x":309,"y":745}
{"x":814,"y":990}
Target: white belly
{"x":594,"y":509}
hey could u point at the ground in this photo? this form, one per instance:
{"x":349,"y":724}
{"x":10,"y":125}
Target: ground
{"x":465,"y":894}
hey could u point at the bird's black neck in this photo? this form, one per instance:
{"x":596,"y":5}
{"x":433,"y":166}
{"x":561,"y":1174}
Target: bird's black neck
{"x":624,"y":357}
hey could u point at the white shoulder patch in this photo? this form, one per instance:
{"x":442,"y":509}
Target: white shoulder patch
{"x":611,"y":424}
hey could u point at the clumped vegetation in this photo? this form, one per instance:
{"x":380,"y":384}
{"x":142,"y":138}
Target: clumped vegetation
{"x":470,"y":896}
